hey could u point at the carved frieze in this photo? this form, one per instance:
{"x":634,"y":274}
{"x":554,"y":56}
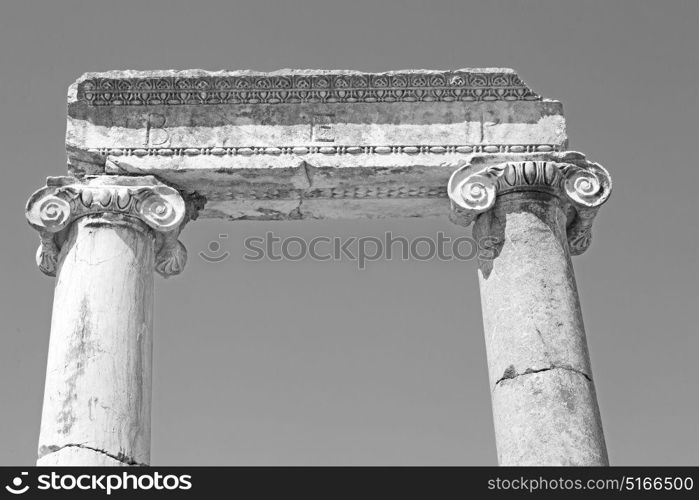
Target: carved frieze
{"x":343,"y":87}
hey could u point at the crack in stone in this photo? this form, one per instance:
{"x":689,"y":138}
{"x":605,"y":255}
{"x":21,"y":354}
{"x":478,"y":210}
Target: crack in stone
{"x":511,"y":373}
{"x":297,"y":213}
{"x":45,"y":450}
{"x":307,"y":172}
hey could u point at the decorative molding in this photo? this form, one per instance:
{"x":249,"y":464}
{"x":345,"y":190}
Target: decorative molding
{"x":52,"y":209}
{"x":377,"y":192}
{"x":337,"y":193}
{"x":582,"y":188}
{"x":218,"y":151}
{"x":444,"y":86}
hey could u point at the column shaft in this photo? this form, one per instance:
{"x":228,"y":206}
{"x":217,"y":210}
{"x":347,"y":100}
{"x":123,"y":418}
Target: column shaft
{"x":544,"y":404}
{"x":97,"y":401}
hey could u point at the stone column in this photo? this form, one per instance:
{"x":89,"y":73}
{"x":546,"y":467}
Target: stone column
{"x":530,"y":216}
{"x":102,"y":237}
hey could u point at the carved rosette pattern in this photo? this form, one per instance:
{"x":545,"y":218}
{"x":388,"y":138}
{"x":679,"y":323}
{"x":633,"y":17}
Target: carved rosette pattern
{"x":583,"y":188}
{"x":303,"y":88}
{"x":52,"y":209}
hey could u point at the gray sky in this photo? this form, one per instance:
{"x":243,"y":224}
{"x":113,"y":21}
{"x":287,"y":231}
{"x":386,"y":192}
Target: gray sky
{"x":317,"y":362}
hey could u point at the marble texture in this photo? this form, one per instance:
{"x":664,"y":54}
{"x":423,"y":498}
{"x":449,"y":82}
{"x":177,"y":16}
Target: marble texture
{"x":97,"y":397}
{"x":103,"y":237}
{"x":544,"y":405}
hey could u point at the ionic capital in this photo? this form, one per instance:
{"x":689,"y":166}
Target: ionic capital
{"x":582,"y":187}
{"x":52,"y":209}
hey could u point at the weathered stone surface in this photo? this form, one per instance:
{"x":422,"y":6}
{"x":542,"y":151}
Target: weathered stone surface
{"x":305,"y":144}
{"x":548,"y":418}
{"x":97,"y":398}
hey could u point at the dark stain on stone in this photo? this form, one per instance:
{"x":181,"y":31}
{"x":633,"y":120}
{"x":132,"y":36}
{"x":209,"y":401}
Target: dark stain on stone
{"x":80,"y":349}
{"x":489,"y":232}
{"x":138,"y":398}
{"x":569,"y":399}
{"x":296,"y":213}
{"x":45,"y":450}
{"x":94,"y":224}
{"x":509,"y":373}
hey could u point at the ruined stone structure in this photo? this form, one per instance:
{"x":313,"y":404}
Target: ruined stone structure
{"x":150,"y":151}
